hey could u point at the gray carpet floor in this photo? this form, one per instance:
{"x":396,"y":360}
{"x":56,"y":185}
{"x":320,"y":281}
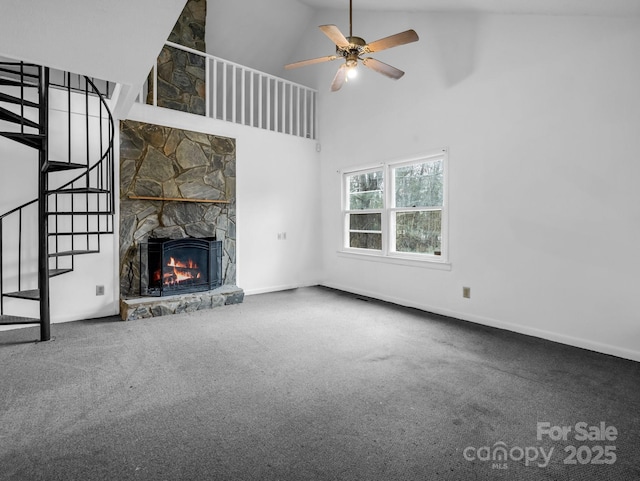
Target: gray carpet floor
{"x":310,"y":384}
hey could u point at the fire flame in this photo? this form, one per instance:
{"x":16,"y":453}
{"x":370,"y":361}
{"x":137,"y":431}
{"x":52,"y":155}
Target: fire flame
{"x":190,"y":264}
{"x":180,"y":272}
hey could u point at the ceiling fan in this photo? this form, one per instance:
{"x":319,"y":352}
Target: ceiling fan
{"x":352,"y":48}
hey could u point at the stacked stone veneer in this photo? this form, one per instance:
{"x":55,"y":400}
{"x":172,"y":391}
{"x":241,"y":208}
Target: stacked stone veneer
{"x":141,"y":308}
{"x":157,"y":161}
{"x":189,"y":30}
{"x":181,"y":75}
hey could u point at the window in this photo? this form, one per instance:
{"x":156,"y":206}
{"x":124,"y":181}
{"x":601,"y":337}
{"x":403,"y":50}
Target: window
{"x":397,"y":209}
{"x":365,"y":209}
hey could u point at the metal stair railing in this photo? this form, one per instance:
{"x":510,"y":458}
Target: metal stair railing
{"x":21,"y":76}
{"x":73,"y":215}
{"x":61,"y":79}
{"x":81,"y":210}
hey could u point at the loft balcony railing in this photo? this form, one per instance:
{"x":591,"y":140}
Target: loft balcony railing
{"x":239,"y":94}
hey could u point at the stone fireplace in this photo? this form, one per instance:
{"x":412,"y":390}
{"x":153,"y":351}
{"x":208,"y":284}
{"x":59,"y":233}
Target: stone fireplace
{"x":177,"y":189}
{"x":175,"y":185}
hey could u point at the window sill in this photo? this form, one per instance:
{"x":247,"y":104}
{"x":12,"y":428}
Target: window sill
{"x":397,"y":259}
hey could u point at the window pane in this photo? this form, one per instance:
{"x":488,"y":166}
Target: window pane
{"x":419,"y":185}
{"x":362,"y":240}
{"x":419,"y":232}
{"x":365,"y":191}
{"x":365,"y":222}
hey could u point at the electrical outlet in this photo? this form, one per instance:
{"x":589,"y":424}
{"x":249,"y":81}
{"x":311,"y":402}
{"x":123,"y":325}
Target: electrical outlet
{"x":99,"y":290}
{"x":466,"y":292}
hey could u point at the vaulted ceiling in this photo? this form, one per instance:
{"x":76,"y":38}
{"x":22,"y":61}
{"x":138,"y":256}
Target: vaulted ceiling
{"x":118,"y":40}
{"x":540,"y":7}
{"x":268,"y":35}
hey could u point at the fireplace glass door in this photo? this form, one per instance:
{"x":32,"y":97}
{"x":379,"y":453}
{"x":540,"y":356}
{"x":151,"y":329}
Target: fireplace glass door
{"x":180,"y":266}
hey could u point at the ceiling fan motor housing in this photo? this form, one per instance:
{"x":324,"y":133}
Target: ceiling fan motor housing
{"x":352,"y":51}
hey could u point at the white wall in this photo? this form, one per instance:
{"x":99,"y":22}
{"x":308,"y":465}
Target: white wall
{"x":256,"y":33}
{"x":277,"y":191}
{"x":541,"y":118}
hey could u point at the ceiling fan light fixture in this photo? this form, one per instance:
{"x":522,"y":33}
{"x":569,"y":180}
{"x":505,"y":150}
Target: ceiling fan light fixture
{"x":352,"y":49}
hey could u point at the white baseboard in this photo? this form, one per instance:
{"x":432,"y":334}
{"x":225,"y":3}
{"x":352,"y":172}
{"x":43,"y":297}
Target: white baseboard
{"x":485,"y":321}
{"x":284,"y":287}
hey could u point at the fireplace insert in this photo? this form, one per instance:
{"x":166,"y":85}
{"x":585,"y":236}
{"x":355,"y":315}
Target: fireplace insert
{"x":176,"y":266}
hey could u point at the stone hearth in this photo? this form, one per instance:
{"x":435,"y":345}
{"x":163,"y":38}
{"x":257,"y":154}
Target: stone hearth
{"x":145,"y":307}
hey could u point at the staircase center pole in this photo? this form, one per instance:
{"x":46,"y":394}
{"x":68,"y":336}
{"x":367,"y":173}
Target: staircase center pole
{"x":43,"y":221}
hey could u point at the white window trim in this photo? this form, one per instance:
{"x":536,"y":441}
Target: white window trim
{"x":385,"y":255}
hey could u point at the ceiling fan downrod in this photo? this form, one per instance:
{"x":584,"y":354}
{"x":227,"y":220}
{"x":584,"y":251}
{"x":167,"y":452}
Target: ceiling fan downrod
{"x":350,"y":18}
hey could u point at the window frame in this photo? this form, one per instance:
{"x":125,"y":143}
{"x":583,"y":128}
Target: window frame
{"x":347,"y":212}
{"x":389,"y":211}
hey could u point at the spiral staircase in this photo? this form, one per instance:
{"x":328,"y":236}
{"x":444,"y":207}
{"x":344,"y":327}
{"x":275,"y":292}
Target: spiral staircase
{"x":74,"y":208}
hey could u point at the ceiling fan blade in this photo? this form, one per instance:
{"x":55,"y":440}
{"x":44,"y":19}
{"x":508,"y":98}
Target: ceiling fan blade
{"x":335,"y":35}
{"x":304,"y":63}
{"x":401,"y":38}
{"x":382,"y":68}
{"x":339,"y":79}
